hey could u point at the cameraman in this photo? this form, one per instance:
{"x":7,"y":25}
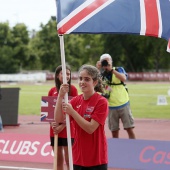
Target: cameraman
{"x":117,"y":95}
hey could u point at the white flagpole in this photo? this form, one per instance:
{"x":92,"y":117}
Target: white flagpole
{"x":66,"y":101}
{"x":55,"y":152}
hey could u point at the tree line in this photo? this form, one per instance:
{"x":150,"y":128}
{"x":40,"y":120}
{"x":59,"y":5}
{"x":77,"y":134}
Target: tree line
{"x":22,"y":50}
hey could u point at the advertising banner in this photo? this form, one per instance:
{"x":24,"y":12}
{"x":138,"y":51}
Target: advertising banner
{"x":25,"y":148}
{"x":139,"y":154}
{"x":122,"y":153}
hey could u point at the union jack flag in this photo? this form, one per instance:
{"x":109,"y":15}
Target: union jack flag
{"x":47,"y":107}
{"x":142,"y":17}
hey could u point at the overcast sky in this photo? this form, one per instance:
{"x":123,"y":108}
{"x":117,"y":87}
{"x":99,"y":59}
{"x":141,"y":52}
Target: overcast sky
{"x":30,"y":12}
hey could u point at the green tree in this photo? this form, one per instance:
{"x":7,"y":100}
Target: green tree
{"x":20,"y":45}
{"x":82,"y":49}
{"x":47,"y":48}
{"x":21,"y":49}
{"x":8,"y":64}
{"x":34,"y":57}
{"x":137,"y":53}
{"x":93,"y":47}
{"x":159,"y":59}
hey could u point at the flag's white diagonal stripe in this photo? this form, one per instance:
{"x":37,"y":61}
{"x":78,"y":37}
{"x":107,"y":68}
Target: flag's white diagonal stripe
{"x":160,"y":18}
{"x":74,"y":12}
{"x":143,"y":17}
{"x":89,"y":16}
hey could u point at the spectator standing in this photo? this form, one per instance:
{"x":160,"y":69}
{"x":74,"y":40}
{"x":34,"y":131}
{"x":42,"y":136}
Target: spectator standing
{"x":117,"y":95}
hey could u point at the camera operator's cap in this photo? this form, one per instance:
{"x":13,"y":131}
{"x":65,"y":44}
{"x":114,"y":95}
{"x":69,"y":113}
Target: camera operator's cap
{"x":105,"y":56}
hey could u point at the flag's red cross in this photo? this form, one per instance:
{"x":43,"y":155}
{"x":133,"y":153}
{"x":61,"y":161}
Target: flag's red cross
{"x":81,"y":15}
{"x":50,"y":108}
{"x":152,"y":18}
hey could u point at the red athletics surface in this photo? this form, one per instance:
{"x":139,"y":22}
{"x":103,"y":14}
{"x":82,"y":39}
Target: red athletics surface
{"x":147,"y":129}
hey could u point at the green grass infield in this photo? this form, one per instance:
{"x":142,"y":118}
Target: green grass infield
{"x":144,"y":97}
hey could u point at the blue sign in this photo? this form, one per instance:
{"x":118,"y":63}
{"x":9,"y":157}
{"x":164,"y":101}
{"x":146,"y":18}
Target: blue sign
{"x":139,"y":154}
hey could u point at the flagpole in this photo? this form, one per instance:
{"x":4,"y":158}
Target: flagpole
{"x":55,"y":152}
{"x":66,"y":101}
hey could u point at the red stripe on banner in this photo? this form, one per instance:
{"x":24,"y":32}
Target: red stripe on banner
{"x":152,"y":19}
{"x":81,"y":15}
